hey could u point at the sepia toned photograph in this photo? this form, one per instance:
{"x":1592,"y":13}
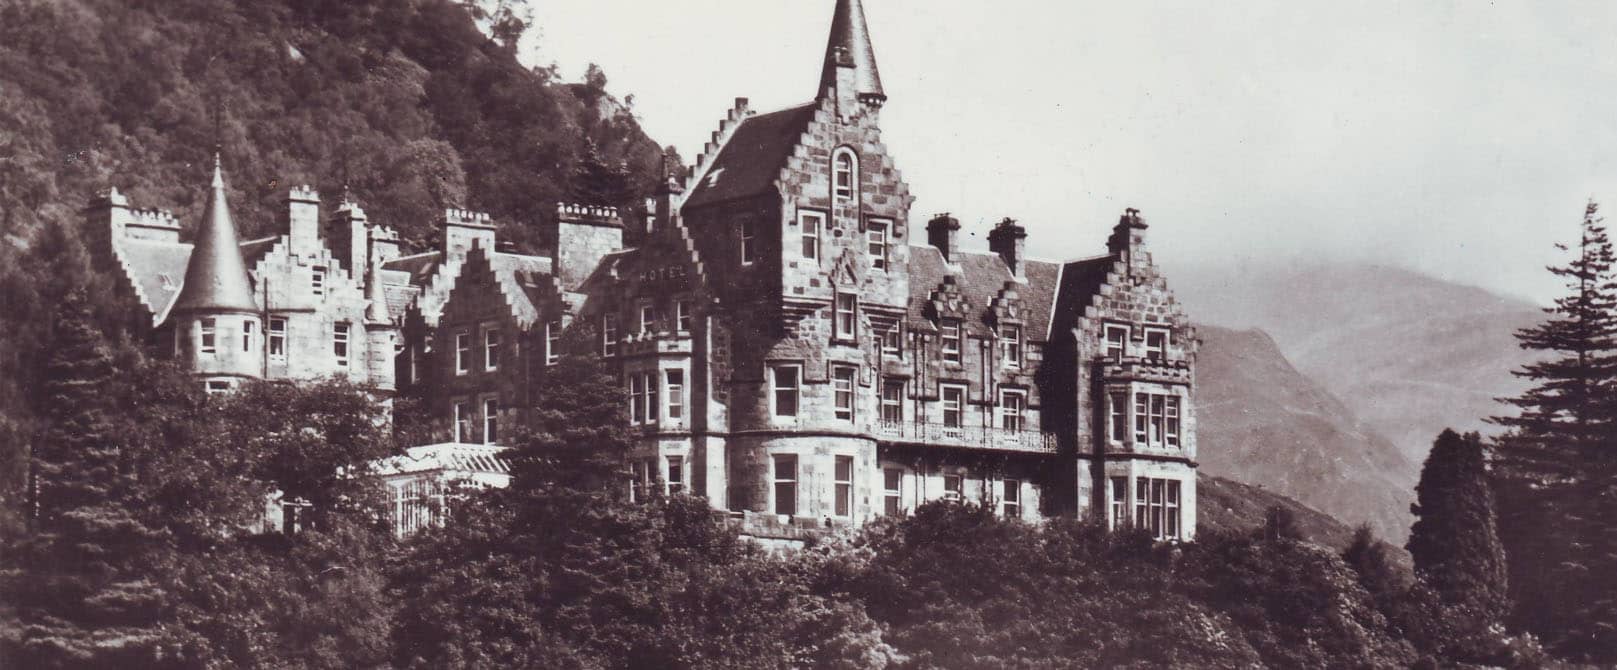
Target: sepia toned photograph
{"x":845,"y":334}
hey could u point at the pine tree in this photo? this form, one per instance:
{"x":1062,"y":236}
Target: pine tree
{"x":596,"y":182}
{"x":1550,"y":468}
{"x":1454,"y":541}
{"x":79,"y":580}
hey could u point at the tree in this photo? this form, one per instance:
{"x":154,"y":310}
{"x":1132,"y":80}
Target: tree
{"x":79,"y":580}
{"x":1558,"y":457}
{"x":1454,"y":541}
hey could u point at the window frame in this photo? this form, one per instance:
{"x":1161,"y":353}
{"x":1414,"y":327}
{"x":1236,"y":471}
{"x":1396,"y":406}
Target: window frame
{"x":207,"y":335}
{"x":553,"y":342}
{"x":637,"y":398}
{"x":609,"y":334}
{"x":946,"y":352}
{"x":683,"y":316}
{"x":1157,"y":353}
{"x":1011,"y":498}
{"x":1010,"y":346}
{"x":954,"y":488}
{"x":1116,"y":350}
{"x":247,"y":335}
{"x":1119,"y":494}
{"x":674,"y":394}
{"x":845,"y":317}
{"x":811,"y":236}
{"x":275,"y":339}
{"x":776,"y":389}
{"x":844,"y":164}
{"x":842,"y":488}
{"x":1118,"y":415}
{"x":749,"y":242}
{"x":877,"y":233}
{"x":892,"y":408}
{"x":959,"y":409}
{"x":648,"y":318}
{"x":893,"y":491}
{"x":491,"y":420}
{"x":783,"y":489}
{"x":892,"y":341}
{"x":675,"y":481}
{"x":844,"y":380}
{"x":460,"y":420}
{"x":317,"y":280}
{"x":463,"y":352}
{"x":491,"y":349}
{"x":1006,"y":415}
{"x":341,"y":332}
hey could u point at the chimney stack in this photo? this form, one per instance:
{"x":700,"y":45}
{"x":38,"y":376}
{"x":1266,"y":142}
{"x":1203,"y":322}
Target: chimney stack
{"x":1009,"y":240}
{"x":1128,"y":235}
{"x":303,"y":220}
{"x":464,"y":229}
{"x":943,"y":232}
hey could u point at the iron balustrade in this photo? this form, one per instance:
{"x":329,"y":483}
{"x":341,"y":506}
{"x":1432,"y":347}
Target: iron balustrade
{"x":976,"y":437}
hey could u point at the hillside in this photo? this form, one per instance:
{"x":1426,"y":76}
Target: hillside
{"x":1226,"y":505}
{"x":403,"y":102}
{"x":1263,"y":423}
{"x":1409,"y":354}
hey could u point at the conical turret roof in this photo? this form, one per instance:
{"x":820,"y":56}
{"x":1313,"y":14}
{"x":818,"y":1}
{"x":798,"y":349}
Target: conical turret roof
{"x":850,"y":43}
{"x":376,"y":296}
{"x":215,"y":277}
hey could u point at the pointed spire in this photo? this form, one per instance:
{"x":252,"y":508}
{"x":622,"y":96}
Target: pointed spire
{"x":216,"y":277}
{"x":850,"y":46}
{"x":375,"y":297}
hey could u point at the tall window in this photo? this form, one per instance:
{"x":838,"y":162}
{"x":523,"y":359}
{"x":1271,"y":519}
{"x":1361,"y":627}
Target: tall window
{"x":553,"y":342}
{"x":892,"y":342}
{"x":1156,"y":419}
{"x":1156,"y":507}
{"x":811,"y":223}
{"x":844,"y":486}
{"x":784,"y":379}
{"x":954,"y":487}
{"x":463,"y":353}
{"x":317,"y":281}
{"x":676,"y":474}
{"x":847,"y":315}
{"x":640,"y":478}
{"x":951,"y":342}
{"x":845,"y":174}
{"x":1118,"y":409}
{"x":954,"y":402}
{"x":1117,"y":338}
{"x":1012,"y":404}
{"x":210,"y":334}
{"x":682,"y":315}
{"x":246,"y":335}
{"x":339,"y":342}
{"x":749,"y":243}
{"x":1010,"y":346}
{"x":876,"y":242}
{"x":491,"y":349}
{"x":892,"y":491}
{"x":785,"y":484}
{"x":1012,"y":498}
{"x":676,"y":394}
{"x":609,"y":334}
{"x":637,"y":398}
{"x":277,"y":338}
{"x":1156,"y":344}
{"x":842,"y":388}
{"x":648,"y":318}
{"x":1120,"y":502}
{"x":463,"y":421}
{"x":892,"y":401}
{"x":491,"y":420}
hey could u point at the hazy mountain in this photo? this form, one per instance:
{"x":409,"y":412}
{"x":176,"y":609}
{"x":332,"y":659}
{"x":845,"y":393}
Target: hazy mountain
{"x":1263,"y":423}
{"x":1407,"y":353}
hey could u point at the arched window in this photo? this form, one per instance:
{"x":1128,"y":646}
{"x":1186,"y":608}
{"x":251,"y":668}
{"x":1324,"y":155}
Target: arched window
{"x":844,"y":174}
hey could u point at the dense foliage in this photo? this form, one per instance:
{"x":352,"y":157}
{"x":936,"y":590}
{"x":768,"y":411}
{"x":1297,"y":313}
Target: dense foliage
{"x":1455,"y":541}
{"x":1555,"y":471}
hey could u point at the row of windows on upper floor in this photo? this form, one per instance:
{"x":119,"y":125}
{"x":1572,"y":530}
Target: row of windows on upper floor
{"x":209,"y":341}
{"x":1157,"y":341}
{"x":785,"y":476}
{"x":811,"y":233}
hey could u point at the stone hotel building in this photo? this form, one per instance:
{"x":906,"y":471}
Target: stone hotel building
{"x":792,"y":344}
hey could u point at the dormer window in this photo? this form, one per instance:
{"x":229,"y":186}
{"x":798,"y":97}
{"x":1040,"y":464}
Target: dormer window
{"x":847,"y":315}
{"x":845,"y":174}
{"x":1010,"y":346}
{"x":892,"y":342}
{"x":950,"y":337}
{"x":811,"y":224}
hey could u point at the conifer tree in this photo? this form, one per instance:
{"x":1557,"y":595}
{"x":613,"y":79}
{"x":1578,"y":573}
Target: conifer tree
{"x":1454,"y":541}
{"x":79,"y":578}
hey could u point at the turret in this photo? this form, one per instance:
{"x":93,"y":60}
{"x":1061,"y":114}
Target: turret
{"x":380,"y":331}
{"x":217,"y":328}
{"x":849,"y":71}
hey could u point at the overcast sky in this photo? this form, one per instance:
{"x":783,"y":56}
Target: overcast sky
{"x":1456,"y":138}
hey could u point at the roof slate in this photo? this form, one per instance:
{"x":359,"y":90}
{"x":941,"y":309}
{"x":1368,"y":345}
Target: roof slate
{"x":158,"y":270}
{"x":981,"y":277}
{"x":752,"y":159}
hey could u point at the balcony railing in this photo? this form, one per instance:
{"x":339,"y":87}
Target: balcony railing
{"x":975,"y":437}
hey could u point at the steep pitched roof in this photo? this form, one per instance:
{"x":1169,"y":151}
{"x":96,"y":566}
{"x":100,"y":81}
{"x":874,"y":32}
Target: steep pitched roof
{"x":433,"y":279}
{"x":981,"y":277}
{"x":850,"y":43}
{"x":216,"y":278}
{"x":156,"y":269}
{"x":1080,"y":281}
{"x":752,"y":159}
